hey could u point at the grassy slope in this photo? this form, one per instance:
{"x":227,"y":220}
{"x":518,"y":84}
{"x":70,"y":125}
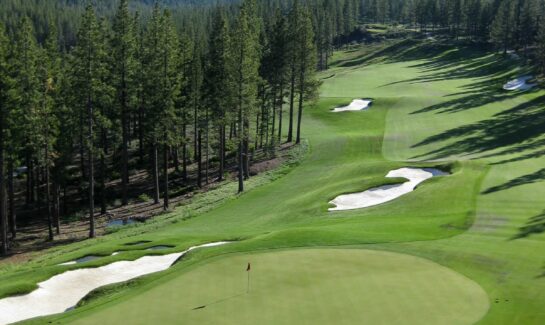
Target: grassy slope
{"x":346,"y":155}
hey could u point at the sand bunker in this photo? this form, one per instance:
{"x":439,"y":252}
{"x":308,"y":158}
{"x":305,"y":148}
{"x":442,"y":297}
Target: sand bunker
{"x":64,"y":291}
{"x":519,"y":84}
{"x":356,"y":105}
{"x":382,"y":194}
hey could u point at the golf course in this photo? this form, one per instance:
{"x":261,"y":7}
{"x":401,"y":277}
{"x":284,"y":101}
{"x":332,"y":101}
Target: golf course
{"x":465,"y":247}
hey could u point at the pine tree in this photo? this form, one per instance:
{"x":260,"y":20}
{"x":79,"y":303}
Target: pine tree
{"x":184,"y":102}
{"x":88,"y":84}
{"x":123,"y":46}
{"x":306,"y":57}
{"x":501,"y":29}
{"x":540,"y":53}
{"x":47,"y":126}
{"x":5,"y":86}
{"x":279,"y":69}
{"x":217,"y":82}
{"x":169,"y":84}
{"x":26,"y":92}
{"x":152,"y":100}
{"x":293,"y":38}
{"x":244,"y":68}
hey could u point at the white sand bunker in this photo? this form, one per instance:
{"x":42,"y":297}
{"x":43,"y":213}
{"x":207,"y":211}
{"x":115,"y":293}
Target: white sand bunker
{"x":65,"y":290}
{"x":356,"y":105}
{"x":382,"y":194}
{"x":520,"y":83}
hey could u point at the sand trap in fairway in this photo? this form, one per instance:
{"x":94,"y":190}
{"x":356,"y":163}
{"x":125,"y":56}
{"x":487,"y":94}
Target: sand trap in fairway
{"x":356,"y":105}
{"x":382,"y":194}
{"x":519,"y":84}
{"x":65,"y":290}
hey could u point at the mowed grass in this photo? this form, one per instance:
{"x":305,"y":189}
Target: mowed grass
{"x":435,"y":105}
{"x":305,"y":286}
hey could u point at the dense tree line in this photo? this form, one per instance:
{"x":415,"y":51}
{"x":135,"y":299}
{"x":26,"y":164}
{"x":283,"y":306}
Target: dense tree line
{"x":510,"y":24}
{"x":135,"y":92}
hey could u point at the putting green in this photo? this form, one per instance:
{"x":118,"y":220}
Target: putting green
{"x":310,"y":286}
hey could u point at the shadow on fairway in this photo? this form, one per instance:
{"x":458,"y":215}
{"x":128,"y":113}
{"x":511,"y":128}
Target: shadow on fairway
{"x":465,"y":62}
{"x":518,"y":129}
{"x":535,"y":226}
{"x":219,"y":301}
{"x":519,"y":181}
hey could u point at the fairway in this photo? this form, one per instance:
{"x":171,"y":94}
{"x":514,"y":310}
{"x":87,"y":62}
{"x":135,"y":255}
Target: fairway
{"x":307,"y":286}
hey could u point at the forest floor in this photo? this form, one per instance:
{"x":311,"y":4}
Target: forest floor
{"x":481,"y":227}
{"x":32,"y":237}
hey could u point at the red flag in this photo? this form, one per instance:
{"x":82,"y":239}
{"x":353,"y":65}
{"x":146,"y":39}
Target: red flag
{"x":248,"y":268}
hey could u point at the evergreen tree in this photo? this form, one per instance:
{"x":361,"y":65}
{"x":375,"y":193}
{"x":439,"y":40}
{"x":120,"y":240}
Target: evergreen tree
{"x":49,"y":69}
{"x":306,"y":57}
{"x":26,"y":92}
{"x":244,"y":68}
{"x":89,"y":87}
{"x":5,"y":86}
{"x":152,"y":100}
{"x":501,"y":29}
{"x":218,"y":84}
{"x":123,"y":52}
{"x":169,"y":92}
{"x":293,"y":45}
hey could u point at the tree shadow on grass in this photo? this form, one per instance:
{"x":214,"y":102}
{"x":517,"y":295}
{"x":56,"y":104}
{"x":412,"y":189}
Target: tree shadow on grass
{"x":522,"y":124}
{"x":519,"y":181}
{"x":534,"y":226}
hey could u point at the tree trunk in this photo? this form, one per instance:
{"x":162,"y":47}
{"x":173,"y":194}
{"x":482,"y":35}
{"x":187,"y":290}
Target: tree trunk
{"x":11,"y":195}
{"x":292,"y":97}
{"x":207,"y":150}
{"x":240,"y":154}
{"x":165,"y":175}
{"x":91,"y":170}
{"x":273,"y":125}
{"x":246,"y":147}
{"x":141,"y":131}
{"x":103,"y":209}
{"x":48,"y":190}
{"x":301,"y":101}
{"x":155,"y":173}
{"x":3,"y":219}
{"x":221,"y":153}
{"x":196,"y":128}
{"x":199,"y":159}
{"x":56,"y":207}
{"x":280,"y":112}
{"x":184,"y":153}
{"x":176,"y":159}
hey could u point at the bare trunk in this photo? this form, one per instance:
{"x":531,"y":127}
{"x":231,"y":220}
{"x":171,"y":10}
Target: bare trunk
{"x":91,"y":172}
{"x":3,"y":219}
{"x":280,"y":112}
{"x":11,"y":195}
{"x":48,"y":199}
{"x":199,"y":159}
{"x":155,"y":173}
{"x":165,"y":176}
{"x":221,"y":153}
{"x":184,"y":153}
{"x":292,"y":98}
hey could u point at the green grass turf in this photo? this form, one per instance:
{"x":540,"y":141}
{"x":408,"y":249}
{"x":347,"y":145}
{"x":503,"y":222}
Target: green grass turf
{"x":432,"y":102}
{"x":306,"y":286}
